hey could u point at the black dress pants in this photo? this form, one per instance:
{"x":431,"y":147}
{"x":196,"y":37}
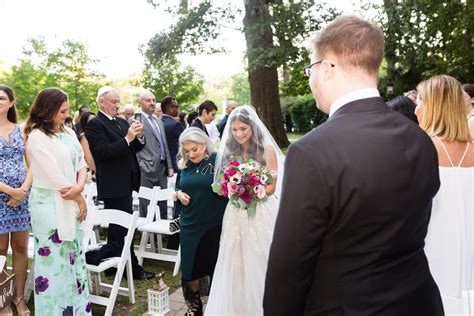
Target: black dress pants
{"x":117,"y":233}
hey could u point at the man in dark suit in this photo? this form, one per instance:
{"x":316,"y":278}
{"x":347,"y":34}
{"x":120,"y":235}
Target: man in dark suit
{"x":357,"y":195}
{"x":231,"y":105}
{"x":154,"y":159}
{"x":173,"y":128}
{"x":113,"y":144}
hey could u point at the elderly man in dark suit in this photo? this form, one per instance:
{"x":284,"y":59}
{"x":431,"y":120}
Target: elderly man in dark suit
{"x":114,"y":144}
{"x":154,"y":159}
{"x":357,"y":195}
{"x":173,"y":128}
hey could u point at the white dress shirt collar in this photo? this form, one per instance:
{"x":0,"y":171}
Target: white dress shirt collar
{"x":108,"y":116}
{"x":353,"y":96}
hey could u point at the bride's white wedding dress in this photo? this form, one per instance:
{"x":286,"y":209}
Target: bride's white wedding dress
{"x":239,"y":276}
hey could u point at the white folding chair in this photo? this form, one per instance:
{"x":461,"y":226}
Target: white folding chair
{"x":121,"y":263}
{"x":159,"y":227}
{"x":90,"y":191}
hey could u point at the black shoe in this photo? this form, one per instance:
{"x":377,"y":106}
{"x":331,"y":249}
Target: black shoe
{"x":143,"y":275}
{"x":110,"y":271}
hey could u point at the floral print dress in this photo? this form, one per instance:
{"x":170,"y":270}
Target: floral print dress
{"x":61,"y":283}
{"x":13,"y":173}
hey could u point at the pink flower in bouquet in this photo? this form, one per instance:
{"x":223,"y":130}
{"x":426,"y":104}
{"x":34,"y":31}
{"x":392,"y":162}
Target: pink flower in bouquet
{"x":253,"y":180}
{"x":225,"y":191}
{"x":233,"y":188}
{"x":230,"y":172}
{"x":263,"y":179}
{"x":234,"y":163}
{"x":260,"y":191}
{"x":245,"y":196}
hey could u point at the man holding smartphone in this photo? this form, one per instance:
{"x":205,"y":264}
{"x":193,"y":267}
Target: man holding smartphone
{"x":114,"y":144}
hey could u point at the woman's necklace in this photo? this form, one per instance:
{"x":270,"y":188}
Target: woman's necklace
{"x":208,"y":167}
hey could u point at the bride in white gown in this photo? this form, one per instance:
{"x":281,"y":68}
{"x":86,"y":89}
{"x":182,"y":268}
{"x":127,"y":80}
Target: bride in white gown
{"x":239,"y":277}
{"x":449,"y":243}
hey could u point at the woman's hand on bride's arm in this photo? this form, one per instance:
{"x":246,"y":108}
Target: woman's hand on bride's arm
{"x":184,"y":198}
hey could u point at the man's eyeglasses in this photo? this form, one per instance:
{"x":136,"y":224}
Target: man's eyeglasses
{"x":307,"y":69}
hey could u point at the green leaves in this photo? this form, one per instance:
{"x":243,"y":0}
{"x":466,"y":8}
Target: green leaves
{"x":68,"y":67}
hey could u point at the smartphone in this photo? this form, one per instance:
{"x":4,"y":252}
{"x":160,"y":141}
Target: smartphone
{"x":137,"y":117}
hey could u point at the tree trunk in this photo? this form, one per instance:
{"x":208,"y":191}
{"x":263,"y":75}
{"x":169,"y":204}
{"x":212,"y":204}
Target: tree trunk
{"x":263,"y":74}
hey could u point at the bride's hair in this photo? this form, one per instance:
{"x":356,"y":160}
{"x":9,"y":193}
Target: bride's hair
{"x":256,"y":150}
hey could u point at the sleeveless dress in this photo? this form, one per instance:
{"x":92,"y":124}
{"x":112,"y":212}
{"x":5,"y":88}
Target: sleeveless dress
{"x":13,"y":173}
{"x":449,"y":243}
{"x":239,"y":276}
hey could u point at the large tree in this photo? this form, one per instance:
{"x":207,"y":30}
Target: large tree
{"x":274,"y":32}
{"x":168,"y":77}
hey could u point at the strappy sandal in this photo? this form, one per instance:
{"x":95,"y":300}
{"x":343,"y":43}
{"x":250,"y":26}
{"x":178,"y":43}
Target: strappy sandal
{"x":17,"y":301}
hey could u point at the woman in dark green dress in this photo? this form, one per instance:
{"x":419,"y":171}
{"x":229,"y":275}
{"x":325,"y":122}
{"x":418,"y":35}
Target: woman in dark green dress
{"x":201,"y":216}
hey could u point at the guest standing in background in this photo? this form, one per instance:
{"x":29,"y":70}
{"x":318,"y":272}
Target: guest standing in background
{"x":85,"y":118}
{"x":57,"y":207}
{"x":191,"y":117}
{"x":207,"y":112}
{"x":128,"y":111}
{"x":450,"y":239}
{"x":15,"y":182}
{"x":469,"y":89}
{"x":405,"y":106}
{"x":77,"y":124}
{"x":114,"y":144}
{"x":201,"y":216}
{"x":154,"y":159}
{"x":173,"y":129}
{"x":231,"y":105}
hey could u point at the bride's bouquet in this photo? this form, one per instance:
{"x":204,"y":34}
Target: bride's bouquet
{"x":244,"y":183}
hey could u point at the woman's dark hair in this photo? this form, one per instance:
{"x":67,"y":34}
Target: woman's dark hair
{"x":84,"y":120}
{"x":12,"y":115}
{"x":182,"y":119}
{"x":469,"y":88}
{"x":256,"y":150}
{"x":405,"y":106}
{"x":207,"y":105}
{"x":191,"y":117}
{"x":44,"y":109}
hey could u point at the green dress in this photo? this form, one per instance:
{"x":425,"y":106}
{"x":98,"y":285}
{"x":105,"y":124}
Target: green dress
{"x":61,"y":282}
{"x":203,"y":214}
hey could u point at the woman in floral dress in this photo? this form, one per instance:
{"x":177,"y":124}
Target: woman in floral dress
{"x":15,"y":182}
{"x":57,"y":207}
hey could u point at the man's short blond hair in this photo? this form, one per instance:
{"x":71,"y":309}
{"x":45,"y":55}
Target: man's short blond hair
{"x":355,"y":43}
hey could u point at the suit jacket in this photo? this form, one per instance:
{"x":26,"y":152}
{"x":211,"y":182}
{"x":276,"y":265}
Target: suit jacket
{"x":149,"y":157}
{"x":173,"y":130}
{"x":117,"y":171}
{"x":353,"y":217}
{"x":222,"y":124}
{"x":197,"y":123}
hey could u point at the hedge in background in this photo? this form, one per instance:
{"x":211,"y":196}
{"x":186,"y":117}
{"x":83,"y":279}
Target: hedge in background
{"x":305,"y":115}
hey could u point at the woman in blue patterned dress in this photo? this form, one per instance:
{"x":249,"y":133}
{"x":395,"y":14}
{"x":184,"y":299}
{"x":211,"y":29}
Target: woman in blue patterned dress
{"x":57,"y":207}
{"x":15,"y":182}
